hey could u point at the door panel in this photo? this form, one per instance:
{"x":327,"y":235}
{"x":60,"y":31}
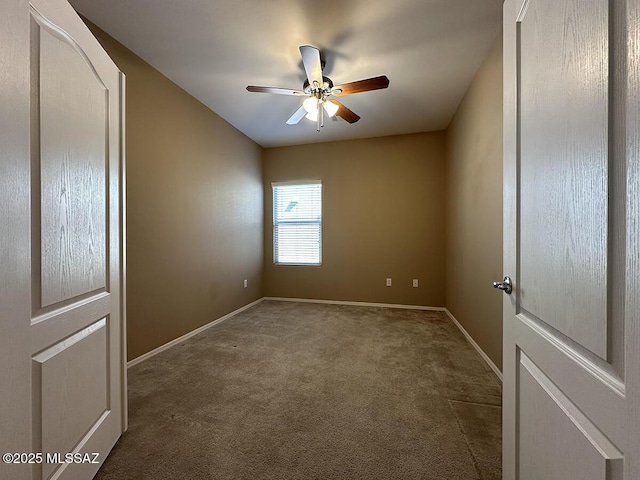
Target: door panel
{"x":74,"y":157}
{"x":563,"y":53}
{"x":571,"y":340}
{"x":73,"y":391}
{"x":553,"y":428}
{"x":575,"y":375}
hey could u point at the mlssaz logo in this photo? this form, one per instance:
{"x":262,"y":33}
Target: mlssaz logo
{"x":73,"y":457}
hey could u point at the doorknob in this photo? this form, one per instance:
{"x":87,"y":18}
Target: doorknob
{"x":504,"y":285}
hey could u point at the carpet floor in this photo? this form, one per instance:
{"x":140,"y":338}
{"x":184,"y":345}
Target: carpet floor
{"x":289,"y":390}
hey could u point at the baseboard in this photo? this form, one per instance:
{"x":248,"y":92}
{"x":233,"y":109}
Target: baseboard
{"x":470,"y":339}
{"x":357,"y":304}
{"x":184,"y":337}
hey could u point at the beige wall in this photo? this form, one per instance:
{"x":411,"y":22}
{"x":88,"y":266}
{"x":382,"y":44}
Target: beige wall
{"x":383,"y":216}
{"x":474,"y":208}
{"x":194,"y":209}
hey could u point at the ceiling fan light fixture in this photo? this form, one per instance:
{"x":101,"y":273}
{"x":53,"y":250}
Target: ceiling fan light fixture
{"x":331,"y":108}
{"x":311,"y":105}
{"x":313,"y":116}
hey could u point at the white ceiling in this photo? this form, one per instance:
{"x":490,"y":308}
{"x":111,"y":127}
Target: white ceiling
{"x":429,"y":49}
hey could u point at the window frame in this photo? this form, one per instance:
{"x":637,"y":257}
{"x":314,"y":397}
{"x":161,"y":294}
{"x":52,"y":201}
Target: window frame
{"x":293,"y":183}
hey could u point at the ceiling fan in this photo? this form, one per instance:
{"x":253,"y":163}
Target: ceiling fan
{"x":319,"y":90}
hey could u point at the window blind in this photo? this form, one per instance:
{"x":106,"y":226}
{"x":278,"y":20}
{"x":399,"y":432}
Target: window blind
{"x":297,"y":223}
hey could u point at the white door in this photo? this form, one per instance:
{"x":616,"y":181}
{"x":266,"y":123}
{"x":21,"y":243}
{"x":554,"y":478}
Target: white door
{"x":572,"y":239}
{"x":62,"y":360}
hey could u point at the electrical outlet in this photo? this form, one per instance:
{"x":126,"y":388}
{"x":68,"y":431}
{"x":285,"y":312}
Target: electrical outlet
{"x":388,"y":282}
{"x":415,"y":282}
{"x":245,"y":283}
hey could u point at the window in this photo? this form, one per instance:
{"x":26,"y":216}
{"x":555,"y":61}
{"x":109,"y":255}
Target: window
{"x":297,"y":223}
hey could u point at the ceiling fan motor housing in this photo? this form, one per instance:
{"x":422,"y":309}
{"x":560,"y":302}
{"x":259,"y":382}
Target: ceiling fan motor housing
{"x":326,"y":86}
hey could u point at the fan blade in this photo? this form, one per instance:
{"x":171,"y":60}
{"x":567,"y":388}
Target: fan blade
{"x":312,"y":65}
{"x":279,"y":91}
{"x":345,"y":113}
{"x":297,"y":116}
{"x":375,"y":83}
